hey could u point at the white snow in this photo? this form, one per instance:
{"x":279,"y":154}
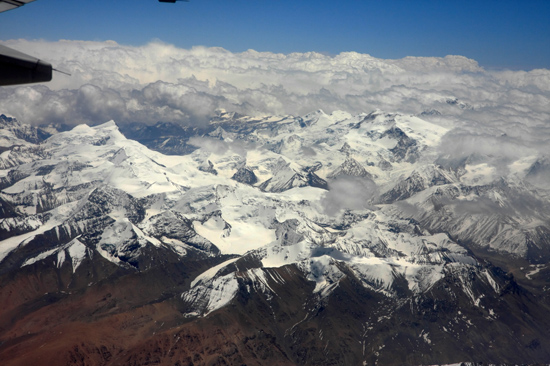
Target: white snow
{"x":425,"y":336}
{"x":210,"y":273}
{"x":39,"y":257}
{"x":537,"y":269}
{"x":77,"y":252}
{"x":7,"y":245}
{"x":477,"y":175}
{"x":376,"y":243}
{"x":223,"y":291}
{"x":244,"y":236}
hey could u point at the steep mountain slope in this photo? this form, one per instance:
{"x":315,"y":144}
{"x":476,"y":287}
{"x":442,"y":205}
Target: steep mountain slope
{"x":322,"y":239}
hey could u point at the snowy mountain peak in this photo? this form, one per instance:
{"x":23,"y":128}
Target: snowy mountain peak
{"x":282,"y":216}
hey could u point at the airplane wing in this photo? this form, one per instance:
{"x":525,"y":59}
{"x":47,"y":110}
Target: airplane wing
{"x":12,"y":4}
{"x":6,"y":5}
{"x":19,"y":68}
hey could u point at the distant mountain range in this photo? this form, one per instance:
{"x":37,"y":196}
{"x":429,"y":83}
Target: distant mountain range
{"x":325,"y":239}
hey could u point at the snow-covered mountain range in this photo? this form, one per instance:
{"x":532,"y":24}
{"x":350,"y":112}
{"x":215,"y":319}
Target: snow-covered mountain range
{"x":320,"y":239}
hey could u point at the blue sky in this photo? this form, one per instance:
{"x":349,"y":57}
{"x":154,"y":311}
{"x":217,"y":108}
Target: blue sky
{"x":498,"y":34}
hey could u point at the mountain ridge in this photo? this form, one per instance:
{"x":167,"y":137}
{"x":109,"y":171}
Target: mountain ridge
{"x":350,"y":226}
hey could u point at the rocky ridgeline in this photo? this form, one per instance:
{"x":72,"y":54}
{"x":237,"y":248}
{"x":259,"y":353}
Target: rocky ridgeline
{"x":322,"y":239}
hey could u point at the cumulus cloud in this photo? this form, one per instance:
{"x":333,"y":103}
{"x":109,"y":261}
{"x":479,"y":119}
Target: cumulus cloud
{"x":159,"y":82}
{"x":308,"y":151}
{"x":219,"y":146}
{"x":349,"y":193}
{"x":462,"y":144}
{"x":209,"y":144}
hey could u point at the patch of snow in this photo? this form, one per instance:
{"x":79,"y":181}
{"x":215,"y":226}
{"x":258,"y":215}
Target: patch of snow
{"x":244,"y":236}
{"x":537,"y":269}
{"x":74,"y":249}
{"x":425,"y":336}
{"x":8,"y":245}
{"x":39,"y":257}
{"x":77,"y":252}
{"x":223,"y":291}
{"x":210,"y":273}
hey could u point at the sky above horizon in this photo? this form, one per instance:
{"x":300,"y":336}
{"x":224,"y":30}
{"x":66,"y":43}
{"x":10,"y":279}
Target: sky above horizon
{"x":186,"y":63}
{"x":497,"y":34}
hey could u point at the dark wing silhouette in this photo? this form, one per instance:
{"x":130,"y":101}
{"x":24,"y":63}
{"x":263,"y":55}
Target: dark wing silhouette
{"x":12,"y":4}
{"x":19,"y":68}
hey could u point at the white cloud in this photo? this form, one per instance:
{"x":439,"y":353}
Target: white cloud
{"x":209,"y":144}
{"x":159,"y":82}
{"x":339,"y":198}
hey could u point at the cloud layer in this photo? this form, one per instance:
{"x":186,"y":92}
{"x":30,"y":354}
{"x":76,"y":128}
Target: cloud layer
{"x":159,"y":82}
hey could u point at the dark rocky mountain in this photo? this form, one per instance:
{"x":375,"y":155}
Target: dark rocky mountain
{"x":245,"y":175}
{"x":240,"y":252}
{"x":166,"y":137}
{"x":351,"y":168}
{"x":14,"y":129}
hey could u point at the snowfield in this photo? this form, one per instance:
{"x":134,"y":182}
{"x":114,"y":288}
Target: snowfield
{"x":369,"y":192}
